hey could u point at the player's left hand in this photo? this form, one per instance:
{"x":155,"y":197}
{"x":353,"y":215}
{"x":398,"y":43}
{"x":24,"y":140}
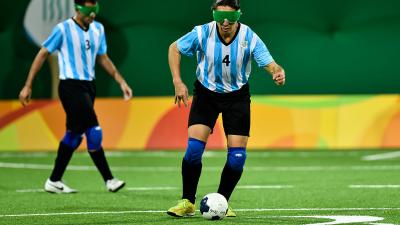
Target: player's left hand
{"x":279,"y":77}
{"x":25,"y":95}
{"x":127,"y":91}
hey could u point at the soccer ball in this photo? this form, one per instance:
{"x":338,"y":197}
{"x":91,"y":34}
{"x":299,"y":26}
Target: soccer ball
{"x":213,"y":206}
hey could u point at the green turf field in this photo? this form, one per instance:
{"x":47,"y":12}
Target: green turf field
{"x":307,"y":187}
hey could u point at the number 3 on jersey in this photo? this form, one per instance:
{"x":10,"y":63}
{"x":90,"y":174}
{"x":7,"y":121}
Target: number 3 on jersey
{"x":226,"y":60}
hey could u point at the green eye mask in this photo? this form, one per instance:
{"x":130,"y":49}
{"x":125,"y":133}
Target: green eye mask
{"x":88,"y":10}
{"x":231,"y":16}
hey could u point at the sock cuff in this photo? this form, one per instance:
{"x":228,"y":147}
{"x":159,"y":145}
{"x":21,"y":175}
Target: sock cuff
{"x":196,"y":141}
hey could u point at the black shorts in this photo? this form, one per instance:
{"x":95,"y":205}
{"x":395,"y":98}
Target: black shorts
{"x":77,"y":98}
{"x":234,"y":106}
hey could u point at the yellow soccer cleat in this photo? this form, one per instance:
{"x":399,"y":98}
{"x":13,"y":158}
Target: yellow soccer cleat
{"x":230,"y":212}
{"x":184,"y":208}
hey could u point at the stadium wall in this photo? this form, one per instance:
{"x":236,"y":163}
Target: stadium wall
{"x":326,"y":47}
{"x":155,"y":123}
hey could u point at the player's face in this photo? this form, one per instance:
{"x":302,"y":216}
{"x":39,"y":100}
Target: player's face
{"x":227,"y":27}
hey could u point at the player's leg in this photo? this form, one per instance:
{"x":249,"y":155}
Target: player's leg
{"x":236,"y":121}
{"x":233,"y":168}
{"x":94,"y":138}
{"x":202,"y":118}
{"x":191,"y":163}
{"x":69,"y":93}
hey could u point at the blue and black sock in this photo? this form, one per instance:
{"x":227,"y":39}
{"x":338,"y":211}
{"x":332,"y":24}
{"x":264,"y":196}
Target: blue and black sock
{"x":191,"y":168}
{"x":232,"y":171}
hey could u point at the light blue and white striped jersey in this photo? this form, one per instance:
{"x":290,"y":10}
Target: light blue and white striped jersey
{"x":224,"y":68}
{"x":77,"y":49}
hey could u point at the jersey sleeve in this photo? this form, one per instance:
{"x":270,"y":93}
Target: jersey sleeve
{"x":261,"y":53}
{"x":189,"y":44}
{"x":103,"y":43}
{"x":54,"y":41}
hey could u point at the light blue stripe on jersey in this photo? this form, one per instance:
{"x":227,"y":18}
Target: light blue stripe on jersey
{"x":71,"y":52}
{"x":85,"y":65}
{"x":218,"y":65}
{"x":54,"y":41}
{"x":102,"y":40}
{"x":206,"y":32}
{"x":234,"y":50}
{"x":246,"y":58}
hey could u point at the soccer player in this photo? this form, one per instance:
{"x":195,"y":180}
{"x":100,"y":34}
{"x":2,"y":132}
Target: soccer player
{"x":80,"y":42}
{"x":223,"y":49}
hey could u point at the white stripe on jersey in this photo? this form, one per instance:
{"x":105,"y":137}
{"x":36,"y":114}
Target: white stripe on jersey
{"x":77,"y":50}
{"x":210,"y":59}
{"x":226,"y":69}
{"x":240,"y":53}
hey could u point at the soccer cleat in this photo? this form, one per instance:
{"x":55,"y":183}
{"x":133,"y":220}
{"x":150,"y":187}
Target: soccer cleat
{"x":114,"y":185}
{"x":230,"y":212}
{"x":184,"y":208}
{"x":58,"y":187}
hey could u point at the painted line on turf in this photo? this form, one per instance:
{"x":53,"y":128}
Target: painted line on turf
{"x":174,"y":154}
{"x":263,"y":186}
{"x":375,"y":186}
{"x":336,"y":219}
{"x":383,"y":156}
{"x":174,"y":188}
{"x":151,"y":188}
{"x":29,"y":190}
{"x":176,"y":168}
{"x":163,"y":211}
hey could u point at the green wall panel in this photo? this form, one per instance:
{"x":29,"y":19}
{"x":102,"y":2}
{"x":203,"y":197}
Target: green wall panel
{"x":326,"y":47}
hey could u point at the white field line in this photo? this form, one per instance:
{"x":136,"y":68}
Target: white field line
{"x":29,"y":190}
{"x":175,"y":188}
{"x":163,"y":211}
{"x":180,"y":154}
{"x":151,"y":188}
{"x":375,"y":186}
{"x":264,"y":186}
{"x":177,"y":168}
{"x":383,"y":156}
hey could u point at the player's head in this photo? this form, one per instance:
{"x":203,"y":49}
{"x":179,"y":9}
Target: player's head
{"x":226,"y":13}
{"x":87,"y":10}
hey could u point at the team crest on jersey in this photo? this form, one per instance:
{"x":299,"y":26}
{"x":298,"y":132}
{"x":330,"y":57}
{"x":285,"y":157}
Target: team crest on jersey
{"x":244,"y":44}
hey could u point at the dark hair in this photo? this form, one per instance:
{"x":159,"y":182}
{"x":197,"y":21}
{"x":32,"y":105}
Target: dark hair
{"x":232,"y":3}
{"x":82,"y":2}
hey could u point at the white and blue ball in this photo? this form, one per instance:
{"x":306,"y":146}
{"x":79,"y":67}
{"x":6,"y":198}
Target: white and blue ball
{"x":213,"y":206}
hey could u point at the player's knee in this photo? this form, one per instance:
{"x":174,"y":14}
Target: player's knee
{"x":236,"y":158}
{"x":194,"y":151}
{"x":94,"y":138}
{"x":72,"y":139}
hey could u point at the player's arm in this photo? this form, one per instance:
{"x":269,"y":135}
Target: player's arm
{"x":277,"y":72}
{"x":26,"y":92}
{"x":174,"y":60}
{"x":110,"y":68}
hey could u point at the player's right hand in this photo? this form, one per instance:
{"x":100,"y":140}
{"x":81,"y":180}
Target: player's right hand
{"x":181,"y":94}
{"x":25,"y":95}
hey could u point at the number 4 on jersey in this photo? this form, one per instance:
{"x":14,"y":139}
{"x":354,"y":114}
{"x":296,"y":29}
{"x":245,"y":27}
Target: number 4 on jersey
{"x":226,"y":60}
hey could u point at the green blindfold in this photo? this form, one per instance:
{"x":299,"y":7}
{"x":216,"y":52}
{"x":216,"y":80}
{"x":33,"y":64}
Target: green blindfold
{"x":88,"y":10}
{"x":231,"y":16}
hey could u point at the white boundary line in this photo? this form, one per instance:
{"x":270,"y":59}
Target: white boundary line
{"x":177,"y":168}
{"x":383,"y":156}
{"x":249,"y":187}
{"x":163,"y":211}
{"x":375,"y":186}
